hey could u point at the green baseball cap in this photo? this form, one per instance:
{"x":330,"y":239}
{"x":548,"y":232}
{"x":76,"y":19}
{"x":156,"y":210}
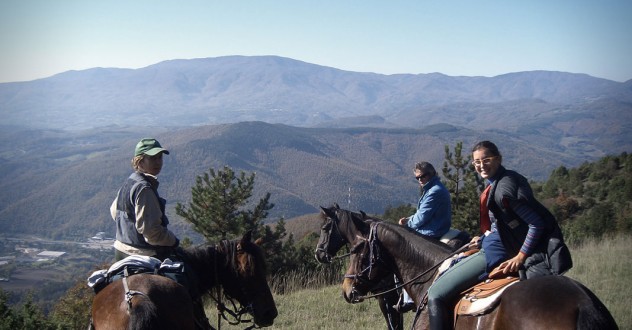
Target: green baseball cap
{"x":150,"y":147}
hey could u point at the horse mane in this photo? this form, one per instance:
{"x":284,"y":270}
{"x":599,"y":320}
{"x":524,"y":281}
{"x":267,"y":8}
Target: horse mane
{"x":410,"y":245}
{"x":209,"y":260}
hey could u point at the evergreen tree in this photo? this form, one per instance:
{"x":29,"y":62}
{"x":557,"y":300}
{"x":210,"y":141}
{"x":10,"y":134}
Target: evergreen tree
{"x":73,"y":310}
{"x":393,"y":214}
{"x":464,"y":186}
{"x":217,"y":204}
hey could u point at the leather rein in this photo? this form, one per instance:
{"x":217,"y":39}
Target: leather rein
{"x":222,"y":310}
{"x":374,"y":257}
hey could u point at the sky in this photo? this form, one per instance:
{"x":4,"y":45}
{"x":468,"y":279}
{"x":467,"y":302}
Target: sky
{"x":40,"y":38}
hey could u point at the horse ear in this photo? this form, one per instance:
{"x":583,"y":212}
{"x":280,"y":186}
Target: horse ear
{"x":244,"y":240}
{"x":361,"y":224}
{"x":247,"y":237}
{"x":259,"y":241}
{"x":363,"y":215}
{"x":336,"y":206}
{"x":327,"y":212}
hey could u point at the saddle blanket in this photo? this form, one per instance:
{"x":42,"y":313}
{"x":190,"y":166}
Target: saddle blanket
{"x":135,"y":265}
{"x":482,"y":297}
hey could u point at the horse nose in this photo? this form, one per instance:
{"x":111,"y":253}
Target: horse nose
{"x":322,"y":257}
{"x":353,"y":297}
{"x":350,"y":293}
{"x":266,"y":318}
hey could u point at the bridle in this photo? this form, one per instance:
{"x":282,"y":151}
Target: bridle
{"x":235,"y":313}
{"x":332,"y":233}
{"x":372,"y":247}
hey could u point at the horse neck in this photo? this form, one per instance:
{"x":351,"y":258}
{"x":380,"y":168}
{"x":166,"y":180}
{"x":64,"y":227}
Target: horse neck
{"x":208,"y":267}
{"x":412,"y":256}
{"x":348,"y":229}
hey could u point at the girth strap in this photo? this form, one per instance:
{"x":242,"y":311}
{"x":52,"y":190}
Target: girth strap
{"x":129,"y":293}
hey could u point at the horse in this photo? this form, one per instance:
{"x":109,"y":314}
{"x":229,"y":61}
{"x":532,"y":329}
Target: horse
{"x":343,"y":227}
{"x":149,"y":301}
{"x":547,"y":302}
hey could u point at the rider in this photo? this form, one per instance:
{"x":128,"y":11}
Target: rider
{"x":433,"y":217}
{"x":139,"y":212}
{"x":519,"y":233}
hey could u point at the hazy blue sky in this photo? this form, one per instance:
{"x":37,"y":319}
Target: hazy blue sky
{"x":40,"y":38}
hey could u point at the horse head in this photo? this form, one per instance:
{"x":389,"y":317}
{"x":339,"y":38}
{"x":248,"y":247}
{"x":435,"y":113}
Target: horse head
{"x":339,"y":228}
{"x":245,"y":279}
{"x":388,"y":250}
{"x":367,"y":267}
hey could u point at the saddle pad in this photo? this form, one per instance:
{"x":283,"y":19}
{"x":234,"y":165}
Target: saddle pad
{"x":452,"y":233}
{"x":483,"y":296}
{"x":137,"y":264}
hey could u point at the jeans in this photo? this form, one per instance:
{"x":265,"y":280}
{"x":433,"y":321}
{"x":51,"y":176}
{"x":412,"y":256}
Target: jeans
{"x":459,"y":278}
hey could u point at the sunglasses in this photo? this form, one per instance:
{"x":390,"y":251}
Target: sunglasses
{"x":421,"y":177}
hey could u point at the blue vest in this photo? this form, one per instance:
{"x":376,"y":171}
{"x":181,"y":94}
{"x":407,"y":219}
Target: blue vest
{"x":125,"y":209}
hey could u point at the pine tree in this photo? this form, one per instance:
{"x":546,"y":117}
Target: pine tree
{"x":465,"y":187}
{"x":217,"y":205}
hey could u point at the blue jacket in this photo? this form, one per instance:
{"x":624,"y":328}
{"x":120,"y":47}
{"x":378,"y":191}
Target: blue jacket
{"x":434,"y":212}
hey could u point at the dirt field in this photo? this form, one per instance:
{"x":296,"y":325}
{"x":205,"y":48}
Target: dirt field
{"x":28,"y":278}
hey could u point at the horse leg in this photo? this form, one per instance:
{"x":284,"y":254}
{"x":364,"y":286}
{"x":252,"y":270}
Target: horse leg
{"x":394,"y":319}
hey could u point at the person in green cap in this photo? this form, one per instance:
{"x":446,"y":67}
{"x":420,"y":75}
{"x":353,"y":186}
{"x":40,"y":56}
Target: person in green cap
{"x":139,"y":211}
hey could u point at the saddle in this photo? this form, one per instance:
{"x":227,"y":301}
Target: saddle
{"x":451,"y":234}
{"x":137,"y":265}
{"x":483,"y":297}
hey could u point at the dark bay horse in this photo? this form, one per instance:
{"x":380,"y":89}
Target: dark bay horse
{"x":548,"y":302}
{"x":341,"y":227}
{"x":158,"y":302}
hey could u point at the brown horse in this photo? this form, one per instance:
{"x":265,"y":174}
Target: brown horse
{"x":341,"y":227}
{"x":548,"y":302}
{"x":147,"y":301}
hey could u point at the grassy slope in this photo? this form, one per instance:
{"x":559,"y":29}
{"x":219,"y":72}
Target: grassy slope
{"x":603,"y":266}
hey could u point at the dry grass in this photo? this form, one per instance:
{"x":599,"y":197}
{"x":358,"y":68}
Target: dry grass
{"x":604,"y":266}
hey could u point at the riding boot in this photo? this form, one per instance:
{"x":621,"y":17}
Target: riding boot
{"x":439,"y":315}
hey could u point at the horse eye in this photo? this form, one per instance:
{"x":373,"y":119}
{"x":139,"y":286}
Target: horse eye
{"x":327,"y":226}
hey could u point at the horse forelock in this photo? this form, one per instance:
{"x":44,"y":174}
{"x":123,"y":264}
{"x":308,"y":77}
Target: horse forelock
{"x":250,"y":259}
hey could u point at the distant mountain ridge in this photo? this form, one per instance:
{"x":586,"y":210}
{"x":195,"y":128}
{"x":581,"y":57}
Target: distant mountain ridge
{"x":65,"y":184}
{"x":313,"y":135}
{"x":273,"y":89}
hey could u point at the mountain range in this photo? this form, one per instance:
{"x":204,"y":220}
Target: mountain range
{"x":313,"y":135}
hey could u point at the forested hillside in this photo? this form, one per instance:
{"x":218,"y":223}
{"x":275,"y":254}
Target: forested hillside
{"x":593,"y":199}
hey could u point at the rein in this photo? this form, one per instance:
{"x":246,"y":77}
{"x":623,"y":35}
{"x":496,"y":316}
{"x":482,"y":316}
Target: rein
{"x":334,"y":224}
{"x":222,"y":310}
{"x":374,"y":240}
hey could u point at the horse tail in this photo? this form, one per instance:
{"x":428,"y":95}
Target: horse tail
{"x":143,"y":314}
{"x":595,"y":315}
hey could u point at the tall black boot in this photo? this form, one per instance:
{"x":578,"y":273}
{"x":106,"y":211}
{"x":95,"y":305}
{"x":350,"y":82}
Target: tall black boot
{"x":439,"y":315}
